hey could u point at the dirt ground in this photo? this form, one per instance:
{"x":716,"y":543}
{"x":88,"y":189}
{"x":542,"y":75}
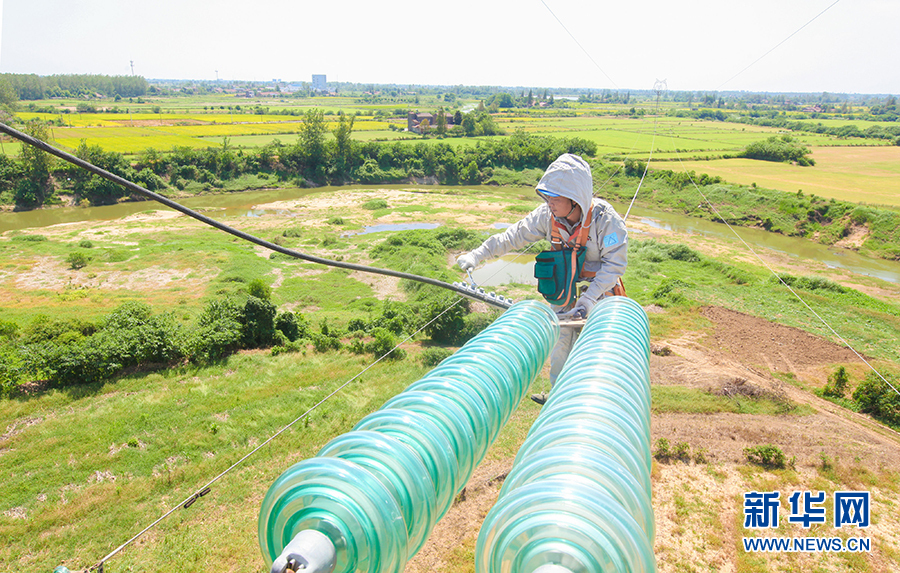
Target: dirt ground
{"x":739,"y":355}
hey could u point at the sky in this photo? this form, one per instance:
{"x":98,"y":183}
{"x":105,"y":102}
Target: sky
{"x":699,"y":45}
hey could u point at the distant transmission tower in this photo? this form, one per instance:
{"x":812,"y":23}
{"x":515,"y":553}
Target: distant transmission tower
{"x":659,"y":86}
{"x":132,"y":67}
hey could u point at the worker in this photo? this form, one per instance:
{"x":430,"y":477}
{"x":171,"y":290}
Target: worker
{"x":588,"y":244}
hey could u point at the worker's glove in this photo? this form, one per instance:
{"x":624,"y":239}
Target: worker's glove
{"x":581,"y":309}
{"x":584,"y":306}
{"x":566,"y":315}
{"x":467,"y":262}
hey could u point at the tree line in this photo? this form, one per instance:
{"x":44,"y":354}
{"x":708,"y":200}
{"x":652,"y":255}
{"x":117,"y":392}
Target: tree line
{"x":774,"y":118}
{"x":35,"y":87}
{"x":36,"y":179}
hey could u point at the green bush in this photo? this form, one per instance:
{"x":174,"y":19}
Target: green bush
{"x":382,"y":343}
{"x":77,"y":260}
{"x":375,"y":204}
{"x":130,"y":336}
{"x":12,"y":369}
{"x":326,"y":339}
{"x":768,"y":456}
{"x":218,"y":331}
{"x":876,"y":397}
{"x":443,"y":317}
{"x":837,"y":383}
{"x":257,"y":323}
{"x":44,"y":329}
{"x":434,"y":355}
{"x":291,"y":325}
{"x":259,"y":289}
{"x":781,"y":149}
{"x":289,"y":346}
{"x":663,"y":451}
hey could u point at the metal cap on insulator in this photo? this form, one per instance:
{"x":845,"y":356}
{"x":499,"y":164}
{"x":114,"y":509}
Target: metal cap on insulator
{"x":310,"y":550}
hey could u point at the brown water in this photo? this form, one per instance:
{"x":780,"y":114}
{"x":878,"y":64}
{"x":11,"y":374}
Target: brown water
{"x":238,"y":204}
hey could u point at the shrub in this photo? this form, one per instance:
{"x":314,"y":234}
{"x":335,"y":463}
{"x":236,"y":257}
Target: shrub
{"x":444,"y":318}
{"x":357,"y":325}
{"x":131,"y":336}
{"x":767,"y":456}
{"x":434,"y":355}
{"x":259,"y":289}
{"x":684,"y":253}
{"x":375,"y":204}
{"x":77,"y":260}
{"x":326,"y":339}
{"x":682,"y":452}
{"x":292,"y":326}
{"x":85,"y":244}
{"x":663,"y":452}
{"x":879,"y":399}
{"x":11,"y":369}
{"x":783,"y":148}
{"x":323,"y":343}
{"x":257,"y":323}
{"x":382,"y":343}
{"x":218,"y":331}
{"x":289,"y":346}
{"x":837,"y":383}
{"x":45,"y":329}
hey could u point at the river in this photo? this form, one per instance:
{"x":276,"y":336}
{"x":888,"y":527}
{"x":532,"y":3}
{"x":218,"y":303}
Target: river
{"x":236,"y":204}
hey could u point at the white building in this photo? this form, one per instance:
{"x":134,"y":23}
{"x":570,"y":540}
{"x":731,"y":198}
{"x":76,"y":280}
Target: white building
{"x":318,"y":83}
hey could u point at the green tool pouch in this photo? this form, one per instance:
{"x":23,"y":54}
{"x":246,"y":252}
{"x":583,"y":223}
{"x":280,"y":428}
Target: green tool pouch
{"x":556,"y":274}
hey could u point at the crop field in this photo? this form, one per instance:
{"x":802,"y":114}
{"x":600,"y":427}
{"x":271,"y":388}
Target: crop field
{"x":854,"y":169}
{"x":861,"y":174}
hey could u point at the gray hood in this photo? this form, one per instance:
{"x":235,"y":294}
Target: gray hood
{"x":569,"y":176}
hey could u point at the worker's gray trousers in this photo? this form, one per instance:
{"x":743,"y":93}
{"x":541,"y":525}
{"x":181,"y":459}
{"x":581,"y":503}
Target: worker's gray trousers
{"x":567,"y":338}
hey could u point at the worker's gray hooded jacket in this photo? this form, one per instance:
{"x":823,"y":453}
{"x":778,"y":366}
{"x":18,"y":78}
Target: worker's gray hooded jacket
{"x":569,"y":176}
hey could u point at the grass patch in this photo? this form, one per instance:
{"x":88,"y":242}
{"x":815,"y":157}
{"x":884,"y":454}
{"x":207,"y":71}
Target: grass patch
{"x":110,"y":455}
{"x":682,"y":399}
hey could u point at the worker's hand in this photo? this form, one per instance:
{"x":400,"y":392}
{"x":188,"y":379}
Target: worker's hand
{"x":467,"y":261}
{"x":583,"y":306}
{"x":580,"y":311}
{"x":566,"y":315}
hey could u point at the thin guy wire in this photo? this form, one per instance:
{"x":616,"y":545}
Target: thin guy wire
{"x":574,"y":39}
{"x":777,"y":45}
{"x":646,"y":169}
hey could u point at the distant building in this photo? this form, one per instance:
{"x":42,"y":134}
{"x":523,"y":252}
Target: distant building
{"x":414,"y":121}
{"x":318,"y":83}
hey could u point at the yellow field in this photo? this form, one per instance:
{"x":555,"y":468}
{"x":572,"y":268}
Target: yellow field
{"x":858,"y":174}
